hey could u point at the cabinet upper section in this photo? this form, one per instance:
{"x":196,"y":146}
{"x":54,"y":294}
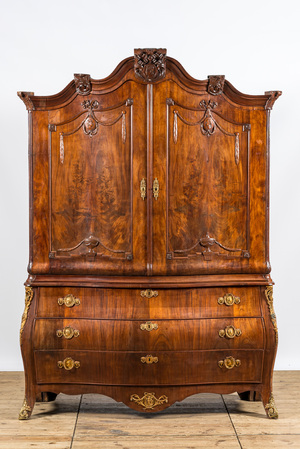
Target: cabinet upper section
{"x":147,"y":66}
{"x":149,"y":172}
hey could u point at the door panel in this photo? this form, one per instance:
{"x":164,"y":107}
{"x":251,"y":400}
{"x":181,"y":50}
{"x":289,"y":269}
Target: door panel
{"x":203,"y":168}
{"x":96,"y":160}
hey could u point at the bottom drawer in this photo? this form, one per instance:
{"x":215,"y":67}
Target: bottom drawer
{"x":160,"y":368}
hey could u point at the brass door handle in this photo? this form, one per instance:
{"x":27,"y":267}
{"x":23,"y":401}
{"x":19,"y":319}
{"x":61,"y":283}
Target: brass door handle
{"x":149,"y":293}
{"x":67,"y":332}
{"x":148,"y":326}
{"x":229,"y":299}
{"x":229,"y":362}
{"x":143,"y":188}
{"x":230,"y":332}
{"x":149,"y":359}
{"x":68,"y":364}
{"x":69,"y":301}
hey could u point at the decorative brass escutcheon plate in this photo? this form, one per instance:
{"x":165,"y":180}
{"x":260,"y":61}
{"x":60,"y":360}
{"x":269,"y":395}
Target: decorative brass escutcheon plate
{"x":230,"y":332}
{"x":229,"y":299}
{"x":143,"y":188}
{"x":149,"y":400}
{"x":148,"y":326}
{"x":155,"y":188}
{"x":69,"y":301}
{"x":149,"y":359}
{"x":229,"y":362}
{"x":68,"y":364}
{"x":149,"y":293}
{"x":68,"y":332}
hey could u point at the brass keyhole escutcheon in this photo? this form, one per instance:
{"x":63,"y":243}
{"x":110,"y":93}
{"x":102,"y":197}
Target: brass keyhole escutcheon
{"x":230,"y":332}
{"x":229,"y":299}
{"x":149,"y":293}
{"x":69,"y":301}
{"x":67,"y":332}
{"x":149,"y":359}
{"x":148,"y":326}
{"x":68,"y":364}
{"x":155,"y":188}
{"x":143,"y":188}
{"x":229,"y":362}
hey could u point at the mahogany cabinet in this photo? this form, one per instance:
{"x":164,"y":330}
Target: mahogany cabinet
{"x":149,"y":239}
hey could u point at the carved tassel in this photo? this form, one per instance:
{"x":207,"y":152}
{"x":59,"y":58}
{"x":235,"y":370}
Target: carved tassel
{"x":175,"y":128}
{"x":237,"y":148}
{"x":61,"y":148}
{"x":123,"y":126}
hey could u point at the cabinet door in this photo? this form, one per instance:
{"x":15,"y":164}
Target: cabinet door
{"x":201,"y":219}
{"x":97,"y":215}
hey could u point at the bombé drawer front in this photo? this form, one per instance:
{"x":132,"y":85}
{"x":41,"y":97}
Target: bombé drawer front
{"x":159,"y":335}
{"x":110,"y":303}
{"x":142,"y":368}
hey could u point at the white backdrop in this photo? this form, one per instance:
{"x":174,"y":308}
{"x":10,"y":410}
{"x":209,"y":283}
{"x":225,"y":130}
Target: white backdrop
{"x":255,"y":44}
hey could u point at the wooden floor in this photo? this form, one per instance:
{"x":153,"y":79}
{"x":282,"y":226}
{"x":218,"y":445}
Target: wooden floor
{"x":201,"y":421}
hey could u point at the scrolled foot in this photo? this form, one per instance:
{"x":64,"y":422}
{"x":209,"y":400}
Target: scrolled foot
{"x":271,"y":409}
{"x":25,"y":411}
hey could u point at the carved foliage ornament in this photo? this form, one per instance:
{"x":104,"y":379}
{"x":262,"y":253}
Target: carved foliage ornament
{"x":150,"y":64}
{"x":215,"y":84}
{"x":82,"y":83}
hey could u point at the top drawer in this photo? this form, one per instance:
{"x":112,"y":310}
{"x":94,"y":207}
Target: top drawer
{"x":109,"y":303}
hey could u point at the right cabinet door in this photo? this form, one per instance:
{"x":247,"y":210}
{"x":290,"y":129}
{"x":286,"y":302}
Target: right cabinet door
{"x":211,"y":215}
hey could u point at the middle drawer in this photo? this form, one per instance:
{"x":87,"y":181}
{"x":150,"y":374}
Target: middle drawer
{"x":163,"y":335}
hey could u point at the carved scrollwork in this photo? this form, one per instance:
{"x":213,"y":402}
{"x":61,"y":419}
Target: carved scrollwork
{"x":150,"y":64}
{"x":82,"y":83}
{"x":149,"y":400}
{"x":215,"y":84}
{"x":25,"y":97}
{"x":273,"y":95}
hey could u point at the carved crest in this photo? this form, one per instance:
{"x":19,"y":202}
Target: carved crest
{"x":82,"y":83}
{"x":150,"y":63}
{"x":215,"y":84}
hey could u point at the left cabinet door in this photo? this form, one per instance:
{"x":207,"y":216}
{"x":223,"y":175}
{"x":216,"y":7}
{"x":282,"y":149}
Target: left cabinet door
{"x":96,"y":160}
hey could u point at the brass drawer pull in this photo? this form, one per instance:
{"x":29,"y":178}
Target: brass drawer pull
{"x":149,"y":400}
{"x":68,"y":363}
{"x":149,"y":293}
{"x":229,"y":299}
{"x":149,"y":359}
{"x":230,"y":332}
{"x":143,"y":188}
{"x":148,"y":326}
{"x":229,"y":362}
{"x":69,"y":301}
{"x":67,"y":332}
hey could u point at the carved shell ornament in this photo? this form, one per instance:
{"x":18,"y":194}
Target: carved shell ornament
{"x":208,"y":125}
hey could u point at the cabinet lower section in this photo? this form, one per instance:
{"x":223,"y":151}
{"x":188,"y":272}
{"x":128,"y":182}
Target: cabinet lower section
{"x":148,"y":347}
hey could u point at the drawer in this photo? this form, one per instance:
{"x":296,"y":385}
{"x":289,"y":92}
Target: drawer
{"x":159,"y":335}
{"x":108,"y":303}
{"x":167,"y":368}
